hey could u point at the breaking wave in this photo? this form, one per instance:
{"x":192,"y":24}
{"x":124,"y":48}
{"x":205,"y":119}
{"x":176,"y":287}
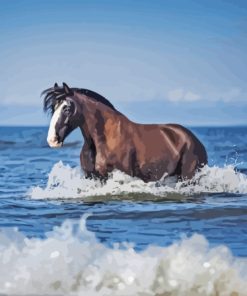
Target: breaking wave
{"x":67,"y":182}
{"x":70,"y":261}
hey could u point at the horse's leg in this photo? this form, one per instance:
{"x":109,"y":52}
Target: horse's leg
{"x":189,"y":164}
{"x":101,"y":167}
{"x":87,"y":158}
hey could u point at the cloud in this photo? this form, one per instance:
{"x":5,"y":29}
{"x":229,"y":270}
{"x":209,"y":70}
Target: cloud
{"x":178,"y":95}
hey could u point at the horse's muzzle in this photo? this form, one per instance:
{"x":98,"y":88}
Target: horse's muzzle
{"x":53,"y":143}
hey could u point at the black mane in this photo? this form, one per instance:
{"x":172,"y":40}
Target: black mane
{"x":94,"y":95}
{"x":58,"y":94}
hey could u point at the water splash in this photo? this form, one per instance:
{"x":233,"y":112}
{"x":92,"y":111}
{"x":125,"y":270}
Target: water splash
{"x":70,"y":261}
{"x":66,"y":182}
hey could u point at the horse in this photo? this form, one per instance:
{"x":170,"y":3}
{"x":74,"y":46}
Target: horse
{"x":112,"y":141}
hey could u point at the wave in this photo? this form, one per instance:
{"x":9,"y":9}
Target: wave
{"x":66,"y":182}
{"x":6,"y":143}
{"x":70,"y":261}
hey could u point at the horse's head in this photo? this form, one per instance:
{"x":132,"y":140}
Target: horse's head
{"x":59,"y":100}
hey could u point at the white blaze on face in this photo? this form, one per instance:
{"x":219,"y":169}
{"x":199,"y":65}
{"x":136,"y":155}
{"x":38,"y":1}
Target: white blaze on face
{"x":52,"y":138}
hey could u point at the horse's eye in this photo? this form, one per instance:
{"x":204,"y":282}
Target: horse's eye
{"x":66,"y":110}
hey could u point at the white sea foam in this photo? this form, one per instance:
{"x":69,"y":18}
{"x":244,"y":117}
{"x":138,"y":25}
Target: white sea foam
{"x":70,"y":261}
{"x":67,"y":182}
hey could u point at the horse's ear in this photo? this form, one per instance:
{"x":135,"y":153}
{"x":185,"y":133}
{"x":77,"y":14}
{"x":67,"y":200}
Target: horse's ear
{"x":55,"y":85}
{"x":66,"y":89}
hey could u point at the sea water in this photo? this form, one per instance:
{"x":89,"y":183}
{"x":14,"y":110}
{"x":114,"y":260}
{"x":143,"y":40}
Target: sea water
{"x":62,"y":234}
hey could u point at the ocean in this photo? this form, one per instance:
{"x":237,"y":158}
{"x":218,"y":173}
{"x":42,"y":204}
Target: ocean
{"x":62,"y":234}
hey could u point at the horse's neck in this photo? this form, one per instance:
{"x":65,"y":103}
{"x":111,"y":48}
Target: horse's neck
{"x":86,"y":134}
{"x":94,"y":118}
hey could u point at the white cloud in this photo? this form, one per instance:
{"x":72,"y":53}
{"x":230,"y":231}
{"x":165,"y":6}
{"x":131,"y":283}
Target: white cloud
{"x":178,"y":95}
{"x":191,"y":97}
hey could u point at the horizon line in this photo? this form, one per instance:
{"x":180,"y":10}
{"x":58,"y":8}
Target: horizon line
{"x":187,"y":125}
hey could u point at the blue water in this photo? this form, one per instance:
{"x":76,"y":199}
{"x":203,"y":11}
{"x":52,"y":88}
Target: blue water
{"x":26,"y":160}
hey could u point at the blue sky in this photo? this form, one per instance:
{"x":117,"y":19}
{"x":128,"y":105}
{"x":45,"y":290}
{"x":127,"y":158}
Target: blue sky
{"x":156,"y":61}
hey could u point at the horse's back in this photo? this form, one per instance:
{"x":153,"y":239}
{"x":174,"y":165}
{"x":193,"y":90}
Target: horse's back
{"x":173,"y":137}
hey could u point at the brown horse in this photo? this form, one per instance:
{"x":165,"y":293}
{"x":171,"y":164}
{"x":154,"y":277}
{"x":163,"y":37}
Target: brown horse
{"x":112,"y":141}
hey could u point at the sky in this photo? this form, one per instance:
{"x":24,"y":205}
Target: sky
{"x":156,"y":61}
